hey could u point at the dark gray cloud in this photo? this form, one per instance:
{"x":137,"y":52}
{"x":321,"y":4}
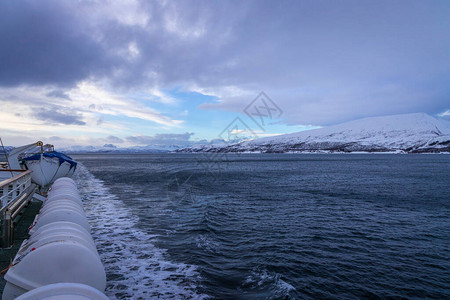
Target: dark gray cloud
{"x":55,"y":138}
{"x":58,"y":115}
{"x":58,"y":94}
{"x":114,"y":139}
{"x":324,"y":62}
{"x":46,"y":43}
{"x":100,"y":121}
{"x":161,"y":139}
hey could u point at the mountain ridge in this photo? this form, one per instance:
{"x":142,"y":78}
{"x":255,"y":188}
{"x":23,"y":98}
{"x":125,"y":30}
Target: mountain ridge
{"x":409,"y":133}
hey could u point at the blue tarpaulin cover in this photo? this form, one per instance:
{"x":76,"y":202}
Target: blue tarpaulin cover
{"x":61,"y":156}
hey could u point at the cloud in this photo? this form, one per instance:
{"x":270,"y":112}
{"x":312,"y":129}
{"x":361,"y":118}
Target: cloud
{"x":161,"y":139}
{"x":59,"y":115}
{"x":103,"y":102}
{"x":109,"y":146}
{"x":445,"y":113}
{"x":322,"y":63}
{"x":111,"y":115}
{"x":58,"y":94}
{"x":85,"y":141}
{"x":55,"y":138}
{"x":114,"y":139}
{"x":46,"y":43}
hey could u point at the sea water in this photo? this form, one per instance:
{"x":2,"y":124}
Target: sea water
{"x":270,"y":226}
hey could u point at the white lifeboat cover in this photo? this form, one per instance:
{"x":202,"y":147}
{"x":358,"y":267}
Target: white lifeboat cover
{"x":68,"y":291}
{"x":55,"y":262}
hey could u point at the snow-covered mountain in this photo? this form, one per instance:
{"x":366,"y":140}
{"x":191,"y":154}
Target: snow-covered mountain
{"x":155,"y":148}
{"x":415,"y":133}
{"x":108,"y":148}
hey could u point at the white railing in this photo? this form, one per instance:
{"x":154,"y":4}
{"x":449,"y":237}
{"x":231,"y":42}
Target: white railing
{"x":15,"y":194}
{"x":12,"y":188}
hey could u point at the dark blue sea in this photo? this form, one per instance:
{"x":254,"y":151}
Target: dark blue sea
{"x":270,"y":226}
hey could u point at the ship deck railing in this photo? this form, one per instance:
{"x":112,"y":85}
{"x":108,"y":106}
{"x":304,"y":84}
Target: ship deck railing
{"x":15,"y":194}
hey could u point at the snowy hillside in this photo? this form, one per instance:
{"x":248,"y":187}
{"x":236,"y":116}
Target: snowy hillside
{"x":408,"y":133}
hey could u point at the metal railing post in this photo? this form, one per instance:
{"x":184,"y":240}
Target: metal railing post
{"x":7,"y":227}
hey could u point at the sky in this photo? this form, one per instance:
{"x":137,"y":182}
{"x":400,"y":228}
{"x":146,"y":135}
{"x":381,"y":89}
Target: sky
{"x":137,"y":73}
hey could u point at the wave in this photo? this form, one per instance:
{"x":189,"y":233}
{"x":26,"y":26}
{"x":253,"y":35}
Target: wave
{"x":261,"y":280}
{"x":135,"y":267}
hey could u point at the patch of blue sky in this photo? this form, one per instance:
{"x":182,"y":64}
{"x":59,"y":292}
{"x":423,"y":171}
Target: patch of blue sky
{"x":204,"y":123}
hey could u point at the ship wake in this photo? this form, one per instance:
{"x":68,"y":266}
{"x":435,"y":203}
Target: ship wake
{"x":135,"y":267}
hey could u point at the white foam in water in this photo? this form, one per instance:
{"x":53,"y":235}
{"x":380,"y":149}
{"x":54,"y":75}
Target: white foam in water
{"x":260,"y":278}
{"x":207,"y":244}
{"x":135,"y":268}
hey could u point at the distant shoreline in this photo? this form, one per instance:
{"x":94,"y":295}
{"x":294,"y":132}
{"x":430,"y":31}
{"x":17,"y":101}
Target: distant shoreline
{"x":247,"y":153}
